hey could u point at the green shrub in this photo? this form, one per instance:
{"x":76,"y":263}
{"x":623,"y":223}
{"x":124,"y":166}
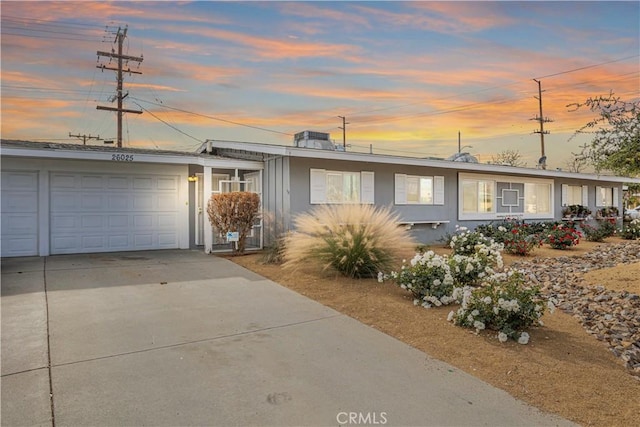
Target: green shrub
{"x":604,"y":229}
{"x":631,"y":231}
{"x":273,"y":254}
{"x":356,"y":240}
{"x":504,"y":304}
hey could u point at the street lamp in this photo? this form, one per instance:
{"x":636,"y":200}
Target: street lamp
{"x":466,"y":146}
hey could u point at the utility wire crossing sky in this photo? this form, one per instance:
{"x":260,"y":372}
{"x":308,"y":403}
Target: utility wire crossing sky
{"x":407,"y":78}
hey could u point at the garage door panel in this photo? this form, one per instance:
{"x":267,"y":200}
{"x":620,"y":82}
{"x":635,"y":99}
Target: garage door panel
{"x":20,"y":180}
{"x":167,"y":240}
{"x":63,"y":181}
{"x":63,"y":201}
{"x":167,"y":184}
{"x":118,"y":221}
{"x":16,"y":202}
{"x":92,"y":202}
{"x":113,"y":212}
{"x":119,"y":241}
{"x":118,"y":183}
{"x":143,"y":202}
{"x":19,"y":223}
{"x":92,"y":221}
{"x":92,"y":182}
{"x":19,"y":213}
{"x":166,"y":202}
{"x":142,"y":184}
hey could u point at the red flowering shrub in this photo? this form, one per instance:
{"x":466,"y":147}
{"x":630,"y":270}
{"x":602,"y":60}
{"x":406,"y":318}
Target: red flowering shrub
{"x":520,"y":240}
{"x":563,"y":236}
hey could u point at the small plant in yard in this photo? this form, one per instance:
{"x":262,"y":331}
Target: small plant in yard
{"x":466,"y":242}
{"x":631,"y":231}
{"x":237,"y":212}
{"x":504,"y":304}
{"x":356,"y":240}
{"x":605,"y":228}
{"x":520,"y":240}
{"x":563,"y":236}
{"x":428,"y":277}
{"x":470,"y":270}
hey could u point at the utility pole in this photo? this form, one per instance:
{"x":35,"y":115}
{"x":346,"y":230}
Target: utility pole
{"x":85,"y":137}
{"x":344,"y":132}
{"x":120,"y":36}
{"x":543,"y":158}
{"x":459,"y":149}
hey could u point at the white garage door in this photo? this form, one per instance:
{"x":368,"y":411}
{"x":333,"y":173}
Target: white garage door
{"x":19,"y":213}
{"x":109,"y":212}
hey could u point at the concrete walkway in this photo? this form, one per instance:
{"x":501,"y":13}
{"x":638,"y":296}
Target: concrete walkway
{"x":179,"y":338}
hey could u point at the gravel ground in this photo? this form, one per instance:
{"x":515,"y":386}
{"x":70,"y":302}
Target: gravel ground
{"x":612,"y":316}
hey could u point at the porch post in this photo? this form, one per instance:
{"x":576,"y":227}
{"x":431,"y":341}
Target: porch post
{"x":208,"y":228}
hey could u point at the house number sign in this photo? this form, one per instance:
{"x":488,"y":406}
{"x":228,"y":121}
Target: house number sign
{"x":122,"y":157}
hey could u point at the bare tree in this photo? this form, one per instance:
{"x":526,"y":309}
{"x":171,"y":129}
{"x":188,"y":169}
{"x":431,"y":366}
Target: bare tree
{"x":577,"y":164}
{"x":508,"y":158}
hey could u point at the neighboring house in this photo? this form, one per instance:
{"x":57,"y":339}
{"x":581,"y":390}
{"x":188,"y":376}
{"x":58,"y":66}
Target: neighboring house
{"x":70,"y":198}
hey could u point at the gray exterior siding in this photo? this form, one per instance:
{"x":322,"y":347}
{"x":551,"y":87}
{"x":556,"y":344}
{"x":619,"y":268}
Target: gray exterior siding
{"x":276,"y":200}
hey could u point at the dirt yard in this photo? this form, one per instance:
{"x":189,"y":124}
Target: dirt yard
{"x":562,"y":370}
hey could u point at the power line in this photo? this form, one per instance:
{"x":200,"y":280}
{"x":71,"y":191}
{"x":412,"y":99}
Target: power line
{"x":491,"y":88}
{"x":212,"y":117}
{"x":166,"y":123}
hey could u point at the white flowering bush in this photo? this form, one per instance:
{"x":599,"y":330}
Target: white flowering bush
{"x":632,"y":230}
{"x":504,"y":304}
{"x":470,"y":270}
{"x":428,"y":277}
{"x":475,"y":257}
{"x":466,"y":242}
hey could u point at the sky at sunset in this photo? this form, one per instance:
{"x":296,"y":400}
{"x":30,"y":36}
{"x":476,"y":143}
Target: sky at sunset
{"x":408,"y":76}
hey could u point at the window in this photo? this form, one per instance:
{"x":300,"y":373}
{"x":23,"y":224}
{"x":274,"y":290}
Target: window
{"x":338,"y":187}
{"x":575,"y":195}
{"x":477,"y":196}
{"x":606,"y":196}
{"x":490,"y":197}
{"x":419,"y":190}
{"x":537,"y":198}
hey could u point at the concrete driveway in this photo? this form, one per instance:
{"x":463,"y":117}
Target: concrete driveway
{"x":180,"y":338}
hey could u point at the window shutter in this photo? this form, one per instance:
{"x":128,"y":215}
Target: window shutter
{"x":615,"y":196}
{"x":367,"y":193}
{"x":400,"y":189}
{"x":318,"y":186}
{"x":599,"y":196}
{"x":565,"y":194}
{"x":585,"y":195}
{"x":438,"y":190}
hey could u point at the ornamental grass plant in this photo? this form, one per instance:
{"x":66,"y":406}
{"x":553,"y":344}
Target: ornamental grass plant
{"x":356,"y":240}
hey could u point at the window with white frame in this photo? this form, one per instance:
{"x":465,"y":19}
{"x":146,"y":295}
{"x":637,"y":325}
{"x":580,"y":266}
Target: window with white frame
{"x":492,"y":197}
{"x":341,"y":187}
{"x":606,"y":196}
{"x":418,"y":190}
{"x":477,"y":196}
{"x":575,"y":195}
